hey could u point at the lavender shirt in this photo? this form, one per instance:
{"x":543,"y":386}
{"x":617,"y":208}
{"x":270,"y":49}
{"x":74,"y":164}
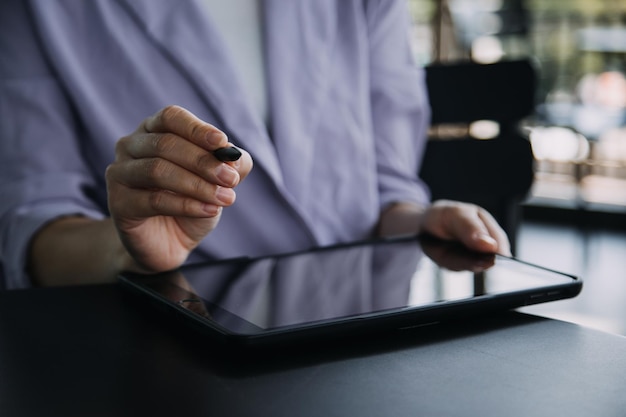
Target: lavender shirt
{"x":348,"y":114}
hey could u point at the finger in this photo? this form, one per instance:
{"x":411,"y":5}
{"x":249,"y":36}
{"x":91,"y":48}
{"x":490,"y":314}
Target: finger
{"x":495,"y":231}
{"x":160,"y":174}
{"x":478,"y":230}
{"x":471,"y":231}
{"x":243,"y":165}
{"x":461,"y":221}
{"x":183,"y":123}
{"x":149,"y":203}
{"x":186,"y":155}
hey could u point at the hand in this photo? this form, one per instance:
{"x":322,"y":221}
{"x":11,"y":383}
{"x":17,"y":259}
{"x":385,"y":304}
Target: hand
{"x":449,"y":220}
{"x":166,"y":190}
{"x":468,"y":223}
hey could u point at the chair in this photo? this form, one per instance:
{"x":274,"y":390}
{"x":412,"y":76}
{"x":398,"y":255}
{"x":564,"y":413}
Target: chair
{"x":497,"y":173}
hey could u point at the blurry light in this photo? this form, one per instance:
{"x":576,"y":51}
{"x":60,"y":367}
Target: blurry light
{"x":558,"y":144}
{"x":612,"y":89}
{"x":487,"y":49}
{"x":587,"y":88}
{"x":484,"y":129}
{"x":611,"y":146}
{"x":606,"y":89}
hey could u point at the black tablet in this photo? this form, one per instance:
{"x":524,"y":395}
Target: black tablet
{"x":348,"y":289}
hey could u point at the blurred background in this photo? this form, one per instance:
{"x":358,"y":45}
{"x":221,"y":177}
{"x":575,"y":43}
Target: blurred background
{"x":573,"y":217}
{"x":578,"y":132}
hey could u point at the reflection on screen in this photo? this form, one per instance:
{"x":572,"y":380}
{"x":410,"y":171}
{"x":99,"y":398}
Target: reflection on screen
{"x":344,"y":282}
{"x":434,"y":283}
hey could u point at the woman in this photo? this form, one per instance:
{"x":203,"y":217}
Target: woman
{"x":336,"y":129}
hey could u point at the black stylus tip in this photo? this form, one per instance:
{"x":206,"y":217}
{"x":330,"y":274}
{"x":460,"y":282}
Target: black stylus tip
{"x":227,"y":154}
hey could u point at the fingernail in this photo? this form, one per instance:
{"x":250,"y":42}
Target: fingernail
{"x":225,"y":195}
{"x":226,"y":175}
{"x":486,"y":239}
{"x":216,"y":138}
{"x":211,"y":209}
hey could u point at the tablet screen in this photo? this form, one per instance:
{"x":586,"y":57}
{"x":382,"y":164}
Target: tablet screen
{"x":373,"y":279}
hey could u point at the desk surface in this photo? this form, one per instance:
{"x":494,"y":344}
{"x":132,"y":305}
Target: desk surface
{"x":91,"y":351}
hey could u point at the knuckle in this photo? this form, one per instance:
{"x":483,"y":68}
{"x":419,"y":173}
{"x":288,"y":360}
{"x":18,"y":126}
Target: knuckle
{"x":155,"y":168}
{"x":204,"y":161}
{"x":157,"y":200}
{"x":195,"y":130}
{"x":187,"y":206}
{"x":113,"y":173}
{"x":172,"y":204}
{"x":170,"y":112}
{"x":121,"y":146}
{"x":123,"y":141}
{"x":109,"y":172}
{"x":198,"y":186}
{"x":164,"y":143}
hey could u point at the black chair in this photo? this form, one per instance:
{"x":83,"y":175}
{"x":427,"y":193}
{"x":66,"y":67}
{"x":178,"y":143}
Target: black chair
{"x":497,"y":173}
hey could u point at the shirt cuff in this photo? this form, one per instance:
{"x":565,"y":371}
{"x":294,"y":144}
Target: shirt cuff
{"x":19,"y":226}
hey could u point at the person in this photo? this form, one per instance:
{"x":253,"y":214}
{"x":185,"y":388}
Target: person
{"x":111,"y":112}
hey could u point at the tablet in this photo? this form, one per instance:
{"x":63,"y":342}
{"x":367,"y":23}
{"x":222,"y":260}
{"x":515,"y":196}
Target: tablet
{"x":346,"y":289}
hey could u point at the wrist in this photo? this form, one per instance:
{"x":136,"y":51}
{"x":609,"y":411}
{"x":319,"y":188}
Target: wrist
{"x":401,"y":218}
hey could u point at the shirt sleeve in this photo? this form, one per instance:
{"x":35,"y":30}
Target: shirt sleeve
{"x":400,"y":109}
{"x":43,"y":174}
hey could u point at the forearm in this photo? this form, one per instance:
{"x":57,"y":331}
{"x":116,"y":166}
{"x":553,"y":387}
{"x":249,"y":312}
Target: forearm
{"x":77,"y":250}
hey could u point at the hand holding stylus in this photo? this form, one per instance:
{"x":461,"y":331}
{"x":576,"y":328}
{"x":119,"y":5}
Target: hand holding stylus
{"x":167,"y":187}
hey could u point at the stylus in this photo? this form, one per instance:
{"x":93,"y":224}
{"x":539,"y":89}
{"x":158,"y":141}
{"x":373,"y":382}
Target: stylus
{"x":227,"y":154}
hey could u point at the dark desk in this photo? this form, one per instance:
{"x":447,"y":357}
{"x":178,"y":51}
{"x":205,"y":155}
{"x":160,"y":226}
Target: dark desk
{"x":90,"y":351}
